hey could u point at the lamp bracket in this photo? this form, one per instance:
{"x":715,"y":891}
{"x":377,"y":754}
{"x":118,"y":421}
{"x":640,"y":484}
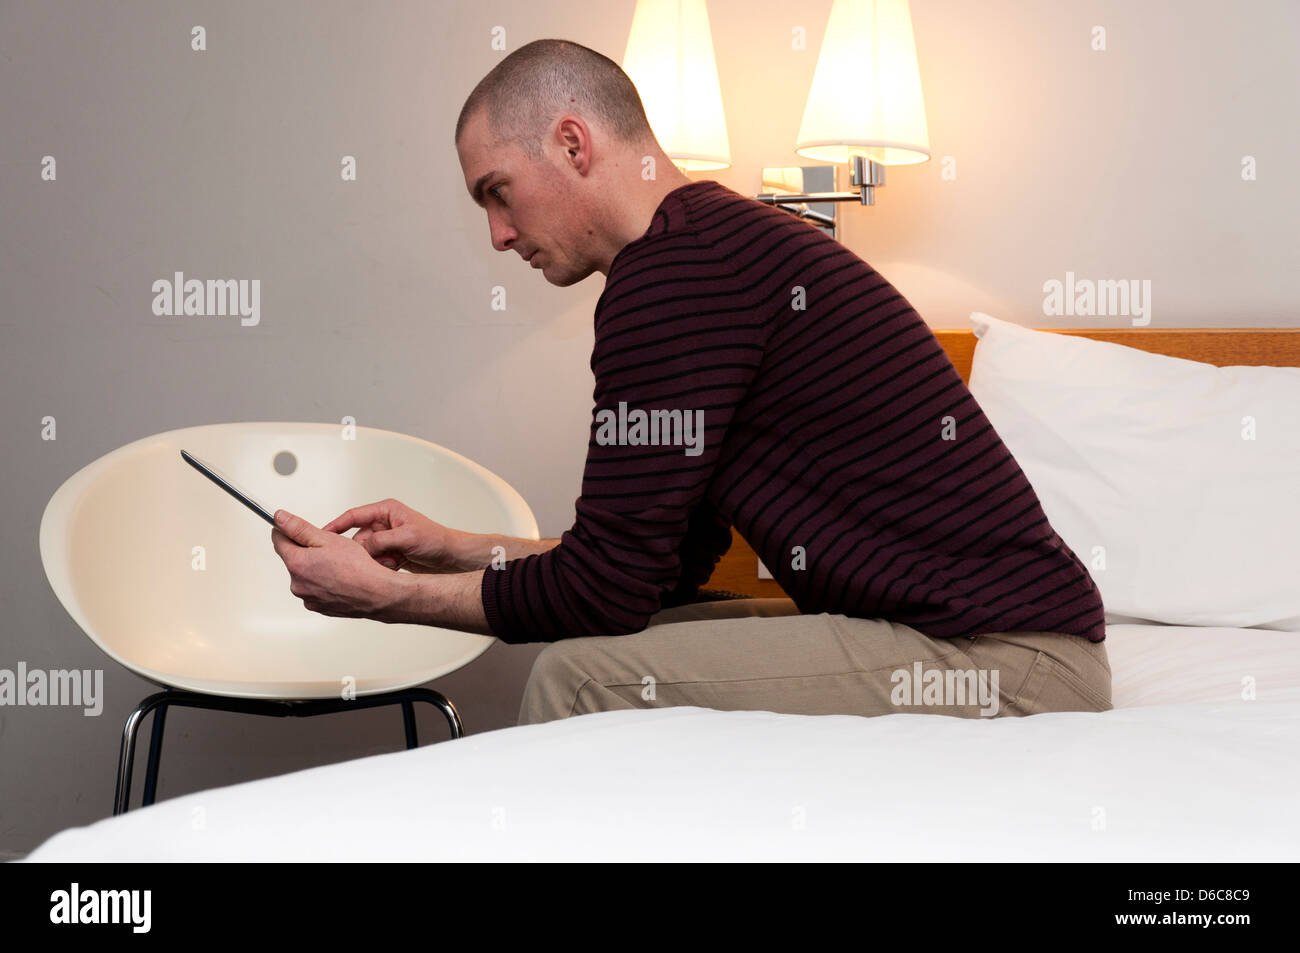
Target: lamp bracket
{"x":864,"y":173}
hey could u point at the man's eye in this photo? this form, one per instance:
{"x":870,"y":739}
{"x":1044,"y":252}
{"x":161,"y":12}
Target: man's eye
{"x":495,"y":192}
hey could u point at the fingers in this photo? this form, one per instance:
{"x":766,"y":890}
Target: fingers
{"x":378,"y":550}
{"x":366,"y":537}
{"x":283,"y":544}
{"x":358,"y":516}
{"x":387,"y":541}
{"x":343,"y":522}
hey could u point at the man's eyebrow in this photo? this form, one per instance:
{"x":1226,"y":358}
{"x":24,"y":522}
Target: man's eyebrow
{"x":478,"y":186}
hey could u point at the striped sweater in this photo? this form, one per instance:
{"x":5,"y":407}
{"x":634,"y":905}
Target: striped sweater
{"x":837,"y":438}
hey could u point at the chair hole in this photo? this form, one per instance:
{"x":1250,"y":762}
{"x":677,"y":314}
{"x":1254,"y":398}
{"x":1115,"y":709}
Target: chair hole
{"x":285,"y":463}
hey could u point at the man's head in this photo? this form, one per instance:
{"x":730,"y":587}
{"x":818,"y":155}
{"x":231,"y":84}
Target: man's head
{"x":551,"y":142}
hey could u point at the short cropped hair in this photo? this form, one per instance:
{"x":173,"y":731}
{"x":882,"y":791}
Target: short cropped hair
{"x":531,"y":87}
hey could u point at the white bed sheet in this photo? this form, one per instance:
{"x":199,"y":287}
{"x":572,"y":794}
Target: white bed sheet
{"x":1170,"y":664}
{"x":1208,"y":777}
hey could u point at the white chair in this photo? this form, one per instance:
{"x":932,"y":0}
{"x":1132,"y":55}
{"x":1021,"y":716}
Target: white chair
{"x":179,"y":582}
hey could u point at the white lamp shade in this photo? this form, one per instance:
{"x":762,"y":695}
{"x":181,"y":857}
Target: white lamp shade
{"x":782,"y":180}
{"x":670,"y":60}
{"x":866,"y":94}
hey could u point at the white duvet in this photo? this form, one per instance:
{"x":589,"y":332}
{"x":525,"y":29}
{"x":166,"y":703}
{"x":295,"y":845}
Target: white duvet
{"x":1184,"y":769}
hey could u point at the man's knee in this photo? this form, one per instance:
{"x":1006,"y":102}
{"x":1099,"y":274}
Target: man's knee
{"x":554,"y":682}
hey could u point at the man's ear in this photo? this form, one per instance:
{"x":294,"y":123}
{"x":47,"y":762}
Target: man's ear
{"x":575,"y":137}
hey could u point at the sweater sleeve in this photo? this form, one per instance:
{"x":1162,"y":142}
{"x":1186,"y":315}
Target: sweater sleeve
{"x":707,"y":539}
{"x":677,"y":347}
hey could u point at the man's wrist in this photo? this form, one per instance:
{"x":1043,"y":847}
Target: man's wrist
{"x":466,"y":552}
{"x":471,"y":551}
{"x":447,"y":600}
{"x":406,"y":600}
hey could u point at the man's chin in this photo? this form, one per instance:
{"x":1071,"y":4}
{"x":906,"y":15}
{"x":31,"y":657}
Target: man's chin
{"x":562,"y":279}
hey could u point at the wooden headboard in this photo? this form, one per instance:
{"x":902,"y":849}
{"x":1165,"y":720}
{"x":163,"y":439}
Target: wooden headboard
{"x":1279,"y":347}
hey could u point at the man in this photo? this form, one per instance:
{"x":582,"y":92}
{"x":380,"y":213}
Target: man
{"x":750,"y":372}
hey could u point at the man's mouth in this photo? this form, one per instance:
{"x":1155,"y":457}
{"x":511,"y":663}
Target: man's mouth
{"x":532,"y":259}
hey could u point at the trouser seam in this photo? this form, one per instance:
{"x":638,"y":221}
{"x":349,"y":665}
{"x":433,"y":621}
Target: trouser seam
{"x":577,"y":695}
{"x":772,"y":678}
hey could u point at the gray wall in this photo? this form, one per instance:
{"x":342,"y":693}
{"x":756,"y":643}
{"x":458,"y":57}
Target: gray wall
{"x":375,"y":294}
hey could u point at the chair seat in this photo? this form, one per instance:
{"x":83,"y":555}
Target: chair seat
{"x":179,"y":582}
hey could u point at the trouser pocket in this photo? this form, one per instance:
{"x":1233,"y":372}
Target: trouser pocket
{"x":1045,"y":671}
{"x":1054,"y":686}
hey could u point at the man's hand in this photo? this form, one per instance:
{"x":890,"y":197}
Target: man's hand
{"x":333,"y":575}
{"x":400,"y":538}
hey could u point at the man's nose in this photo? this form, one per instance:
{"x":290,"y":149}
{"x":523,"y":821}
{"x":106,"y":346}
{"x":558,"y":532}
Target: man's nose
{"x":503,"y":234}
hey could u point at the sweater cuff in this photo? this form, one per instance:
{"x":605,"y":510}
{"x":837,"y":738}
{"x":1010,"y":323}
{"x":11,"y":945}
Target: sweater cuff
{"x":489,"y":590}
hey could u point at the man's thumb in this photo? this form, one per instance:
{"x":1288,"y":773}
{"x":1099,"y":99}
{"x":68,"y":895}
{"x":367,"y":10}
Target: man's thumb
{"x":293,"y":527}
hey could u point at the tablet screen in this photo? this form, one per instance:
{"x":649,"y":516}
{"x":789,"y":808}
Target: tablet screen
{"x":229,"y":487}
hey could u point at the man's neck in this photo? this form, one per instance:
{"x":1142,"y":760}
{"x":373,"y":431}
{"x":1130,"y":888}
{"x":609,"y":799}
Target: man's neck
{"x":638,"y":206}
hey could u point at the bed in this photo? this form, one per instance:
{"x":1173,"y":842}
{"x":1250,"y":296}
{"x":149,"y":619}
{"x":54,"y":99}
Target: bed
{"x":1172,"y":475}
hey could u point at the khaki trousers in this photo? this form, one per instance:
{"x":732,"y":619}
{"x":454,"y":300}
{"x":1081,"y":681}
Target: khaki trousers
{"x":762,"y":654}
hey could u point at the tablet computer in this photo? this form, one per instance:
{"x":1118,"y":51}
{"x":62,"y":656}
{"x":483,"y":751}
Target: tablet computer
{"x":226,"y":485}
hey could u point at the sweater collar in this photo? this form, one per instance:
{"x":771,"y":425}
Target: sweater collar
{"x":671,"y":214}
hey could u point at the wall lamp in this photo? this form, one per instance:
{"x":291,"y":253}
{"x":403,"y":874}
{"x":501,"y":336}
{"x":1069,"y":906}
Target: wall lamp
{"x":865,"y":109}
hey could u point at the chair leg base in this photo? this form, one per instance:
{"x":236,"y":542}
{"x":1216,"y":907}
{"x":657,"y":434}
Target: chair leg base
{"x":159,"y":702}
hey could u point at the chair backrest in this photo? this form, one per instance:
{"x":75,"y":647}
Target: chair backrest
{"x":179,"y":582}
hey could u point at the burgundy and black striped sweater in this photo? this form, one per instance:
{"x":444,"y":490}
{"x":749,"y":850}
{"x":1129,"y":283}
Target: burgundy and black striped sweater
{"x":838,"y":439}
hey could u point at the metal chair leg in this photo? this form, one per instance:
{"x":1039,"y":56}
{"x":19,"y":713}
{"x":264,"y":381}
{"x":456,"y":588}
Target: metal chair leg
{"x":126,"y":757}
{"x":155,"y":755}
{"x":279,"y":708}
{"x":408,"y":722}
{"x":443,"y":704}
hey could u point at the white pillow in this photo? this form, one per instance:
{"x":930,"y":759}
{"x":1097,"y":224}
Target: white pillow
{"x":1144,"y":466}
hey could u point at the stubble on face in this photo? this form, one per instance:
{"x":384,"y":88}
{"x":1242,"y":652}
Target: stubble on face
{"x":547,"y":209}
{"x":568,"y":252}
